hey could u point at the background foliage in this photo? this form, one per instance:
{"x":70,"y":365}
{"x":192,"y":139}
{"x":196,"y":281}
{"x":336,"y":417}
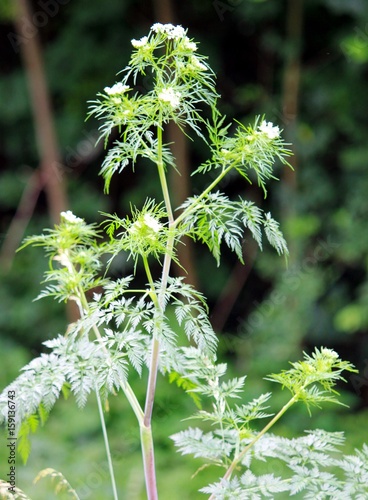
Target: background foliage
{"x":312,"y":84}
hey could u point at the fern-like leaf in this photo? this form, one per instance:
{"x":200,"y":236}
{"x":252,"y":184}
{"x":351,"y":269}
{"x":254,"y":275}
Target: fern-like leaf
{"x":213,"y":220}
{"x":274,"y":235}
{"x":200,"y":444}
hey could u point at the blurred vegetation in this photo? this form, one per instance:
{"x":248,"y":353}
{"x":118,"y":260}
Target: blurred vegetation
{"x":319,"y":298}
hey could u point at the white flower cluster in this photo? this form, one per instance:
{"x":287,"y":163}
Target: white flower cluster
{"x":171,"y":96}
{"x":329,"y":353}
{"x":140,"y":43}
{"x":269,"y":129}
{"x":118,"y":88}
{"x":197,"y":64}
{"x":148,"y":222}
{"x":189,"y":45}
{"x":68,"y":216}
{"x":173,"y":32}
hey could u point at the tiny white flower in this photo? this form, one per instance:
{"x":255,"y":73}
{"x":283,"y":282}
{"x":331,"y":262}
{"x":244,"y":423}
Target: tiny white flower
{"x":173,"y":32}
{"x":197,"y":64}
{"x":269,"y":129}
{"x":148,"y":222}
{"x":176,"y":32}
{"x":70,"y":217}
{"x":189,"y":45}
{"x":157,"y":27}
{"x":118,"y":88}
{"x":171,"y":96}
{"x":225,"y":152}
{"x":140,"y":43}
{"x":329,"y":353}
{"x":152,"y":223}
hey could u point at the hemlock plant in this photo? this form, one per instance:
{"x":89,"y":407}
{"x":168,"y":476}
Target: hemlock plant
{"x":122,"y":327}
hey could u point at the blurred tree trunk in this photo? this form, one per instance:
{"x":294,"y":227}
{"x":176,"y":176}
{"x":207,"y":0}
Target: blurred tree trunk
{"x":180,"y":184}
{"x":49,"y":174}
{"x":290,"y":97}
{"x":51,"y":170}
{"x":20,"y":220}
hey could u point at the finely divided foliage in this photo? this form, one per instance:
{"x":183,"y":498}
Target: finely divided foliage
{"x":310,"y":464}
{"x":123,"y":326}
{"x":216,"y":218}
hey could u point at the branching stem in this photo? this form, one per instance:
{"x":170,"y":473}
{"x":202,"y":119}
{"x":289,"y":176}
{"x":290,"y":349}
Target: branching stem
{"x":125,"y":386}
{"x":213,"y":184}
{"x":240,"y":456}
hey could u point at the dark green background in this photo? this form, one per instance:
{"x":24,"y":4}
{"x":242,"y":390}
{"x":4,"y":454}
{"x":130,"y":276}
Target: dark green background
{"x":319,"y":299}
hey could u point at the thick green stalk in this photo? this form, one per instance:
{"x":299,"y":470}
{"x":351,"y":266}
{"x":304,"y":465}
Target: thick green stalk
{"x":146,"y":432}
{"x":146,"y":429}
{"x":149,"y":462}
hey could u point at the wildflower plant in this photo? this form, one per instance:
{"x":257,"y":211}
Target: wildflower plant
{"x":123,"y":327}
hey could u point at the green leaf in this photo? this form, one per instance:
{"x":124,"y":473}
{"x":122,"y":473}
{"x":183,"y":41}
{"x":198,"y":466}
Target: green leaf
{"x":187,"y":385}
{"x":27,"y":427}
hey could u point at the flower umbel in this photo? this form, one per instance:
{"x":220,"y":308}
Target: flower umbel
{"x":172,"y":32}
{"x":171,"y":96}
{"x":268,"y":128}
{"x":140,"y":43}
{"x":118,"y":88}
{"x":68,"y":216}
{"x":147,"y":226}
{"x":142,"y":235}
{"x":189,"y":45}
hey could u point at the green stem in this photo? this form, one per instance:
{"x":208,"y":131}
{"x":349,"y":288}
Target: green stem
{"x":146,"y":430}
{"x":202,"y":195}
{"x":151,"y":386}
{"x":272,"y":422}
{"x":84,"y":308}
{"x":125,"y":386}
{"x":107,"y":446}
{"x":149,"y":462}
{"x":128,"y":391}
{"x":162,"y":176}
{"x":133,"y":401}
{"x":150,"y":280}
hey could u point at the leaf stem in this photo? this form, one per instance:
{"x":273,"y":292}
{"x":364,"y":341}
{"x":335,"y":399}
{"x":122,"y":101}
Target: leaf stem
{"x":125,"y":386}
{"x":202,"y":195}
{"x":84,"y":308}
{"x":107,"y":446}
{"x":239,"y":457}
